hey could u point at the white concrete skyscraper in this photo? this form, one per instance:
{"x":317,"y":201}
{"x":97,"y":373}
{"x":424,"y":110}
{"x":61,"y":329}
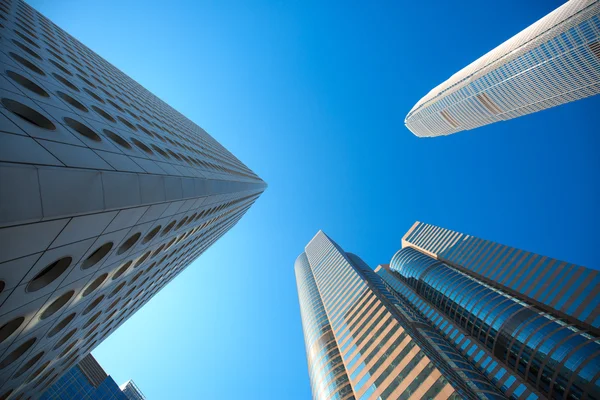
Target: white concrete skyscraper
{"x":554,"y":61}
{"x":106,"y":194}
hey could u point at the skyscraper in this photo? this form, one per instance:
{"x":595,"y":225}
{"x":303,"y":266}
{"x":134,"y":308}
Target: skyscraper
{"x":106,"y":194}
{"x":362,"y":343}
{"x":85,"y":381}
{"x":451,"y":296}
{"x":554,"y":61}
{"x":132,"y":391}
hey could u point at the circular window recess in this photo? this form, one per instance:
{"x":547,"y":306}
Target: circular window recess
{"x":121,"y":270}
{"x":135,"y":278}
{"x":65,"y":82}
{"x":28,"y":114}
{"x":174,"y":154}
{"x":160,"y":151}
{"x":26,"y":49}
{"x":43,"y":378}
{"x":151,"y":235}
{"x":27,"y":84}
{"x":142,"y":146}
{"x":37,"y":372}
{"x":57,"y":304}
{"x":117,"y":139}
{"x":168,"y":228}
{"x":6,"y":395}
{"x":97,"y":255}
{"x":67,"y":349}
{"x":91,"y":331}
{"x":112,"y":314}
{"x":92,"y":344}
{"x":94,"y":285}
{"x":180,"y":224}
{"x":86,"y":81}
{"x":64,"y":339}
{"x":28,"y":64}
{"x":132,"y":114}
{"x":160,"y":137}
{"x":103,"y":114}
{"x":9,"y":328}
{"x":116,"y":290}
{"x":82,"y":129}
{"x":146,"y":131}
{"x":107,"y":93}
{"x":141,"y":260}
{"x":49,"y":274}
{"x":113,"y":305}
{"x":157,"y":251}
{"x":82,"y":72}
{"x":91,"y":320}
{"x":70,"y":100}
{"x":94,"y":95}
{"x":129,"y":243}
{"x":130,"y":291}
{"x":17,"y":353}
{"x":61,"y":325}
{"x":60,"y":67}
{"x":115,"y":105}
{"x":127,"y":123}
{"x":93,"y":305}
{"x":71,"y":358}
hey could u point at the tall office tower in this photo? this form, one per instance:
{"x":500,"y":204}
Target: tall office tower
{"x":106,"y":194}
{"x":363,"y":343}
{"x":554,"y":61}
{"x":450,"y":316}
{"x":86,"y":381}
{"x":132,"y":391}
{"x":526,"y":322}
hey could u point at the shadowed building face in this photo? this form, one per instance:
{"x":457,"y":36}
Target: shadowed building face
{"x":106,"y":194}
{"x":554,"y":61}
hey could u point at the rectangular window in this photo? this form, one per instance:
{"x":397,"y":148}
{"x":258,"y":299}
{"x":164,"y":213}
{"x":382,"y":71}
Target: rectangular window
{"x":489,"y":104}
{"x":449,"y":119}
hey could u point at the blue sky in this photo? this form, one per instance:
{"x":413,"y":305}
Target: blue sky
{"x":312,"y":97}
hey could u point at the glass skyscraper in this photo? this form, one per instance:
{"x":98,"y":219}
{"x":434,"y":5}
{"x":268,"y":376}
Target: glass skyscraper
{"x":553,"y":61}
{"x":86,"y":381}
{"x":132,"y":391}
{"x":445,"y":320}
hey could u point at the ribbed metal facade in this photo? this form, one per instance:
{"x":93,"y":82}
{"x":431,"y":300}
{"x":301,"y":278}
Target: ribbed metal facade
{"x":554,"y":61}
{"x":385,"y":349}
{"x":567,"y":290}
{"x":526,"y":348}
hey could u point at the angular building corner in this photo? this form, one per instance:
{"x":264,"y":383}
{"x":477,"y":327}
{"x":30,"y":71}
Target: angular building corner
{"x":451,"y":316}
{"x":106,"y":194}
{"x":554,"y":61}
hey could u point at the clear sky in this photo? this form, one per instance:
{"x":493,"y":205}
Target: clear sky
{"x":312,"y":97}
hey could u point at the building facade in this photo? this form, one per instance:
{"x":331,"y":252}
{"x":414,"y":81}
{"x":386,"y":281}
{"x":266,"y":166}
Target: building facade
{"x":554,"y":61}
{"x":362,"y":343}
{"x":106,"y":194}
{"x":450,"y":295}
{"x":132,"y":391}
{"x":85,"y":381}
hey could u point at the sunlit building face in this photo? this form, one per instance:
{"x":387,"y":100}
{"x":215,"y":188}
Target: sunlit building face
{"x":554,"y":61}
{"x":450,"y":316}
